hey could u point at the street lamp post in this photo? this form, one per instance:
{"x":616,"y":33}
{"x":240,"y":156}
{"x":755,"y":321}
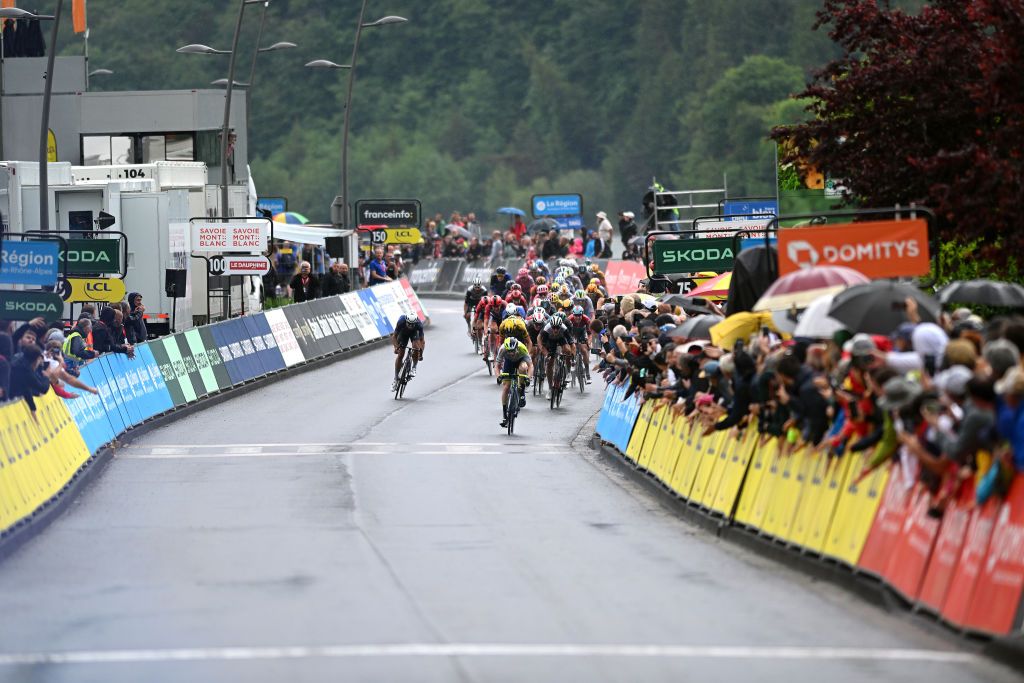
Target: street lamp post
{"x":351,"y":66}
{"x":230,"y":83}
{"x":15,"y":13}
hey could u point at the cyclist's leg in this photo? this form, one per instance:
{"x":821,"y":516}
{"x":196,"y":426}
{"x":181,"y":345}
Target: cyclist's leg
{"x":550,"y":366}
{"x":399,"y":355}
{"x":523,"y":369}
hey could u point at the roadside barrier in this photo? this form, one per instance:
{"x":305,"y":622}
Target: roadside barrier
{"x":41,"y":454}
{"x":455,"y":276}
{"x":966,"y":568}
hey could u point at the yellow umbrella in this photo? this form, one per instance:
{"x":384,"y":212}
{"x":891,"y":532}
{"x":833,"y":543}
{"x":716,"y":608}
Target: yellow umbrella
{"x":715,"y":288}
{"x":739,"y":326}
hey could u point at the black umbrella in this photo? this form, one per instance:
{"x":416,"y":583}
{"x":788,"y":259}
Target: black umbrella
{"x":985,"y":292}
{"x":690,"y":306}
{"x":698,"y":327}
{"x":879,"y":307}
{"x":542,"y":225}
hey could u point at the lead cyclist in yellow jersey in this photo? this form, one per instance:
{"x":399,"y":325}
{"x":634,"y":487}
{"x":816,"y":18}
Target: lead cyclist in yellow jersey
{"x":515,"y":360}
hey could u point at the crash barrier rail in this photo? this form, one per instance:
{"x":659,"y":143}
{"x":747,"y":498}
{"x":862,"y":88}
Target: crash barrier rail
{"x":455,"y":275}
{"x":966,"y":568}
{"x":41,"y":454}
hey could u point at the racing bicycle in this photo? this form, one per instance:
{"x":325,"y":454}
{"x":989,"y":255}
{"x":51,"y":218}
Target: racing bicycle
{"x":512,"y":403}
{"x":559,"y":373}
{"x":405,"y":374}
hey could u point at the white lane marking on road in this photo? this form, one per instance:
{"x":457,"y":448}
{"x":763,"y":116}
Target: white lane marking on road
{"x":279,"y":454}
{"x":487,"y":650}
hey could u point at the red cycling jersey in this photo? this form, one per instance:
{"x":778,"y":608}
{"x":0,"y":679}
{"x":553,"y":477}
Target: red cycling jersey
{"x":487,"y":306}
{"x":578,"y":322}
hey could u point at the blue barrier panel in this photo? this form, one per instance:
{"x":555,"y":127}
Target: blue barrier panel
{"x":127,"y":383}
{"x":376,"y":312}
{"x":604,"y":420}
{"x":237,"y":350}
{"x":268,"y":356}
{"x":89,"y":413}
{"x":158,"y":396}
{"x":113,"y":402}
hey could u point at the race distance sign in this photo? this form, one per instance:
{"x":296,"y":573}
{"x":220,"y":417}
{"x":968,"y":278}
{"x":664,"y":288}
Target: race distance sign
{"x":239,"y":265}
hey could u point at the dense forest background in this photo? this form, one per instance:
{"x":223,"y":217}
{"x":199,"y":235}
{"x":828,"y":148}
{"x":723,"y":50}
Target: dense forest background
{"x":476,"y":104}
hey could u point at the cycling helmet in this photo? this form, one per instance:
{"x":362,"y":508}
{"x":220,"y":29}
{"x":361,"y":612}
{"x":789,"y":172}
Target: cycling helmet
{"x":592,"y":287}
{"x":541,"y":280}
{"x":515,"y":287}
{"x":511,"y":344}
{"x":523,"y":271}
{"x":539,"y":316}
{"x":512,"y":309}
{"x":500,"y":270}
{"x":410,"y":321}
{"x":594,"y":268}
{"x":559,"y":280}
{"x":579,"y":294}
{"x":577,"y":310}
{"x":477,"y":282}
{"x":542,"y":290}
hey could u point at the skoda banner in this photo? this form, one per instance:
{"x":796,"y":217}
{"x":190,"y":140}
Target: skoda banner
{"x":692,"y":256}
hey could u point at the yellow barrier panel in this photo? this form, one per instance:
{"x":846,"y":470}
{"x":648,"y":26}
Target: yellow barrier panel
{"x":654,"y":432}
{"x":636,"y":439}
{"x":674,"y":454}
{"x":668,"y":445}
{"x":724,"y":450}
{"x":808,"y":508}
{"x":752,"y":485}
{"x":855,"y":511}
{"x":835,"y":474}
{"x":769,"y":480}
{"x":736,"y":468}
{"x":40,"y":454}
{"x":689,"y":460}
{"x":786,"y":495}
{"x":706,"y":456}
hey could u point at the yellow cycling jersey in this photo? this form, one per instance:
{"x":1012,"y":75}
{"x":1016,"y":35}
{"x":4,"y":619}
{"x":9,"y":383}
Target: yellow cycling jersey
{"x":520,"y":352}
{"x":513,"y":327}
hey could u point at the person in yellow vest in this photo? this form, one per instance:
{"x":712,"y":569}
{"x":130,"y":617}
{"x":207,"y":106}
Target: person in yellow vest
{"x":76,"y":352}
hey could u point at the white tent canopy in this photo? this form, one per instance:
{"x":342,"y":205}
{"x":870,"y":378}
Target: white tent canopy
{"x":306,"y":234}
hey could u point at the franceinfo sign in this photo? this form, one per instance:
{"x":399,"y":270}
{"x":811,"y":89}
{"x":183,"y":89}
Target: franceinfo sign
{"x":557,"y":205}
{"x":388,"y":213}
{"x":29,"y":263}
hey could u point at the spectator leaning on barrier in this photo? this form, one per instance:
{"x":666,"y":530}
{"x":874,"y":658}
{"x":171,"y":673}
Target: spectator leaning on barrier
{"x":76,"y":350}
{"x":135,"y":323}
{"x":304,"y":286}
{"x":107,"y":335}
{"x":377,"y":272}
{"x":28,"y":378}
{"x":335,"y":281}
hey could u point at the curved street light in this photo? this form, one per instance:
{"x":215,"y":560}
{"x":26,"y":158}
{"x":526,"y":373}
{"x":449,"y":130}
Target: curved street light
{"x":223,"y":81}
{"x":100,"y":72}
{"x":200,"y":49}
{"x":351,"y":66}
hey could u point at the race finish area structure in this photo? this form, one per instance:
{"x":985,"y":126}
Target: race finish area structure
{"x":317,"y":529}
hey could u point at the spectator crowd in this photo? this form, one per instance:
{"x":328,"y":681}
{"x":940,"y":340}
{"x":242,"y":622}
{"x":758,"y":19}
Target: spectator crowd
{"x":945,"y":399}
{"x":36,"y":357}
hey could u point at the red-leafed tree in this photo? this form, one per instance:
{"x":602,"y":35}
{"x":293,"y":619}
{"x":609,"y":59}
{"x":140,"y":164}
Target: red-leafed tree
{"x":925,"y":108}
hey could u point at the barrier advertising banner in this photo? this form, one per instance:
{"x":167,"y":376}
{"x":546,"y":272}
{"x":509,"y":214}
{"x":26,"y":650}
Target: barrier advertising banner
{"x":623,"y":277}
{"x":172,"y":367}
{"x":268,"y":355}
{"x":285,"y":338}
{"x":28,"y":263}
{"x":878,"y":249}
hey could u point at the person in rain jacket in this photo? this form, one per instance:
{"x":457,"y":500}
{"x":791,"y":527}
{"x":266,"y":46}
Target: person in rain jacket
{"x":135,"y":323}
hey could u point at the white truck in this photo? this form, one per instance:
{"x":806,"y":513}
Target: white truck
{"x":151,"y":205}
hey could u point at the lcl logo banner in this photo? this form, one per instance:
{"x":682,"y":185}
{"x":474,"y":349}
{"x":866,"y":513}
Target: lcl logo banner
{"x":878,"y":249}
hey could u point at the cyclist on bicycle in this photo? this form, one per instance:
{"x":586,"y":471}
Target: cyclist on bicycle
{"x":513,"y":325}
{"x":409,"y":328}
{"x":515,"y":360}
{"x":580,"y":298}
{"x":535,"y":323}
{"x":579,"y":332}
{"x":515,"y":295}
{"x":485,"y":313}
{"x":540,"y":282}
{"x":553,"y":337}
{"x":499,"y":281}
{"x":473,"y":296}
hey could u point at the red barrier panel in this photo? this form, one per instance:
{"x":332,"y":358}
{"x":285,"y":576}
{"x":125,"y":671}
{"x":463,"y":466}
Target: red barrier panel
{"x":623,"y":277}
{"x":948,"y":548}
{"x":997,"y":595}
{"x":968,"y":566}
{"x":909,"y":557}
{"x":888,"y":524}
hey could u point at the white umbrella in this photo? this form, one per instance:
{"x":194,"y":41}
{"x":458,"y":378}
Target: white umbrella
{"x":815,"y":322}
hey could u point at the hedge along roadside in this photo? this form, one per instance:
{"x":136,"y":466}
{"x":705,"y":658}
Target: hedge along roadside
{"x":967,"y":569}
{"x":41,"y":456}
